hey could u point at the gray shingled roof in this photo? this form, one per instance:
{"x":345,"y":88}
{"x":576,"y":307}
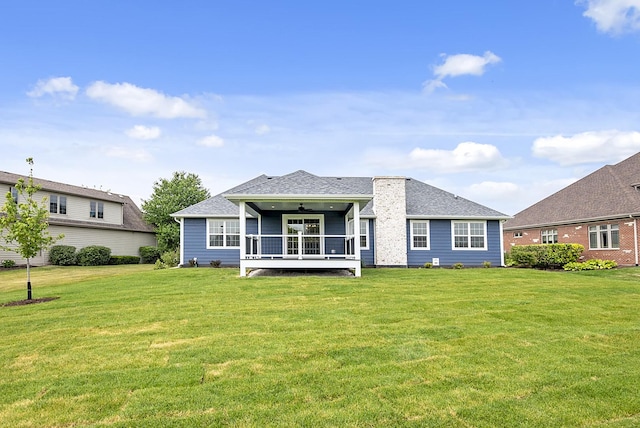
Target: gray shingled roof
{"x":422,"y":199}
{"x":132,"y":216}
{"x":610,"y":192}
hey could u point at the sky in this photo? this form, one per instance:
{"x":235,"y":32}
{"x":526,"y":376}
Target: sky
{"x":502,"y":102}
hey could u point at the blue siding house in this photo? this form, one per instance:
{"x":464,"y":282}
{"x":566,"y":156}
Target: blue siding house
{"x":303,"y":221}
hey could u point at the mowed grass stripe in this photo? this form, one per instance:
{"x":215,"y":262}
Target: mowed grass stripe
{"x":397,"y":347}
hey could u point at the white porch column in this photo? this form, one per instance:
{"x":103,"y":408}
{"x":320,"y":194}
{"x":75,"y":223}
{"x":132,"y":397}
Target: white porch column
{"x":356,"y":239}
{"x":243,"y":237}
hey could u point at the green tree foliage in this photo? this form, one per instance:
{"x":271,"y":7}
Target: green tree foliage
{"x":182,"y":190}
{"x":545,"y":256}
{"x":24,"y":226}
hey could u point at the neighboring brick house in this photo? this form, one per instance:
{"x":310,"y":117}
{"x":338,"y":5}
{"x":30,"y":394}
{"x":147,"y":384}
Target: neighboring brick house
{"x":600,"y":212}
{"x":85,"y":217}
{"x":303,"y":221}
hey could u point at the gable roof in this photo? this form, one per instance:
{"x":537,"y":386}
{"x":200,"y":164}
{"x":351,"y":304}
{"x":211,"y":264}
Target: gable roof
{"x":610,"y":192}
{"x":132,"y":216}
{"x":421,"y":199}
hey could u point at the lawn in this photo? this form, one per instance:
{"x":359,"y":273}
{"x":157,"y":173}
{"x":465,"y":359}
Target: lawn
{"x":136,"y":347}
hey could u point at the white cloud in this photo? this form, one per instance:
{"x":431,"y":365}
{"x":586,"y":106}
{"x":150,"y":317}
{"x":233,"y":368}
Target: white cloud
{"x":211,"y":141}
{"x":137,"y":155}
{"x":62,"y":87}
{"x":467,"y":156}
{"x":141,"y":132}
{"x":614,"y":16}
{"x":459,"y":65}
{"x":587,"y":147}
{"x":496,"y":189}
{"x":143,"y":101}
{"x":262,"y":129}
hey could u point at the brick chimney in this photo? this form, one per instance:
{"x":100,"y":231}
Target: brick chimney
{"x":390,"y":208}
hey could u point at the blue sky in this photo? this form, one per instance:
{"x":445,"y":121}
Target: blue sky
{"x":502,"y":102}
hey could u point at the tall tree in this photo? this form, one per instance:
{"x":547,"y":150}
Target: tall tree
{"x":182,"y":190}
{"x":24,"y":224}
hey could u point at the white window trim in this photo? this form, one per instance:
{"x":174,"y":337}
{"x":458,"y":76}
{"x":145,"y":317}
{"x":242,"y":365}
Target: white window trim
{"x":550,"y":233}
{"x":351,"y":231}
{"x":224,"y":234}
{"x":453,"y":236}
{"x":428,"y":247}
{"x":598,"y":231}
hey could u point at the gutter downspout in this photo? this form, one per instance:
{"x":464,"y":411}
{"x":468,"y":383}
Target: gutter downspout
{"x":635,"y":238}
{"x":502,"y":243}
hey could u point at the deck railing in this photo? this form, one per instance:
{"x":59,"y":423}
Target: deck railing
{"x":300,"y":246}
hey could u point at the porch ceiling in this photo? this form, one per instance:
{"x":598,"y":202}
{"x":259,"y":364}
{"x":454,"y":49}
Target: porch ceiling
{"x":302,"y":206}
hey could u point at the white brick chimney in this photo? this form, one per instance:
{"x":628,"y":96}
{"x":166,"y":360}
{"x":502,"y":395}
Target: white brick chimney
{"x":390,"y":208}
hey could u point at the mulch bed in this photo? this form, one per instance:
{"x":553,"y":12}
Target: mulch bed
{"x":30,"y":301}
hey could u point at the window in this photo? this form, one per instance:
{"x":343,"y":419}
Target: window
{"x":549,"y":236}
{"x":14,"y":194}
{"x":419,"y":234}
{"x":469,"y":235}
{"x":96,"y":209}
{"x":604,"y":236}
{"x":517,"y":234}
{"x":364,"y":233}
{"x":57,"y":204}
{"x":223,"y":233}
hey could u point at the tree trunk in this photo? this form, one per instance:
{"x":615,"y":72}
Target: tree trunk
{"x":28,"y":279}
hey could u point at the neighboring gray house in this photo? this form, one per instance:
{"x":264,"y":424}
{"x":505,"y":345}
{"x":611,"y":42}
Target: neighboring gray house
{"x":85,"y":217}
{"x":302,"y":221}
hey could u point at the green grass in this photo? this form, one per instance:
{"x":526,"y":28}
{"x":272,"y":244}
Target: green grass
{"x":130,"y":346}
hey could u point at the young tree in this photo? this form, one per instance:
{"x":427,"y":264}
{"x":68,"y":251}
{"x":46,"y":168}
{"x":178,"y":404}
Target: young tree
{"x":182,"y":190}
{"x":24,"y":224}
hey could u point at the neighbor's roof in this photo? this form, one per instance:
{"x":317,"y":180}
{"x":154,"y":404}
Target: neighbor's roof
{"x":610,"y":192}
{"x":133,"y":219}
{"x":421,"y":199}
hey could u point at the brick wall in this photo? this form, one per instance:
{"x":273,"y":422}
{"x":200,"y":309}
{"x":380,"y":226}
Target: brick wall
{"x":579,"y":234}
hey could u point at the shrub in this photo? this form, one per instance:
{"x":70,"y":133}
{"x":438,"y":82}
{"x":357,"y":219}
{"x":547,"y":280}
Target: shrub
{"x":593,"y":264}
{"x":62,"y":255}
{"x":215,"y":263}
{"x":544,"y":256}
{"x":124,"y":260}
{"x":149,"y":255}
{"x":428,"y":265}
{"x":94,"y":255}
{"x":8,"y":264}
{"x":486,"y":264}
{"x":457,"y":266}
{"x":168,"y":260}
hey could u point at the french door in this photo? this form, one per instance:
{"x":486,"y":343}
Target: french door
{"x":311,"y":227}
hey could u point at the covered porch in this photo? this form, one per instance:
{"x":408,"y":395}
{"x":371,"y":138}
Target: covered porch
{"x":302,"y":232}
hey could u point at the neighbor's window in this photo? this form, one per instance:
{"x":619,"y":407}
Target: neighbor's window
{"x":419,"y":234}
{"x":57,"y":204}
{"x":469,"y":235}
{"x":604,"y":236}
{"x":14,"y":194}
{"x":223,"y":233}
{"x":96,"y":209}
{"x":549,"y":236}
{"x":517,"y":234}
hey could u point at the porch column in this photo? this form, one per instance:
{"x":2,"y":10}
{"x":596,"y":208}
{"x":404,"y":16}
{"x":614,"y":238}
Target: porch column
{"x":243,"y":237}
{"x":356,"y":239}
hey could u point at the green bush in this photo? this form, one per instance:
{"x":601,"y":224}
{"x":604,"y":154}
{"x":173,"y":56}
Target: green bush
{"x":457,"y":266}
{"x":8,"y":264}
{"x":215,"y":263}
{"x":62,"y":255}
{"x":545,"y":256}
{"x":168,"y":260}
{"x":427,"y":265}
{"x":124,"y":260}
{"x":94,"y":255}
{"x":149,"y":255}
{"x":593,"y":264}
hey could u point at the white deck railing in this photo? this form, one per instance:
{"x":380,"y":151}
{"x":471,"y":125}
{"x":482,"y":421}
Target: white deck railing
{"x":300,"y":246}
